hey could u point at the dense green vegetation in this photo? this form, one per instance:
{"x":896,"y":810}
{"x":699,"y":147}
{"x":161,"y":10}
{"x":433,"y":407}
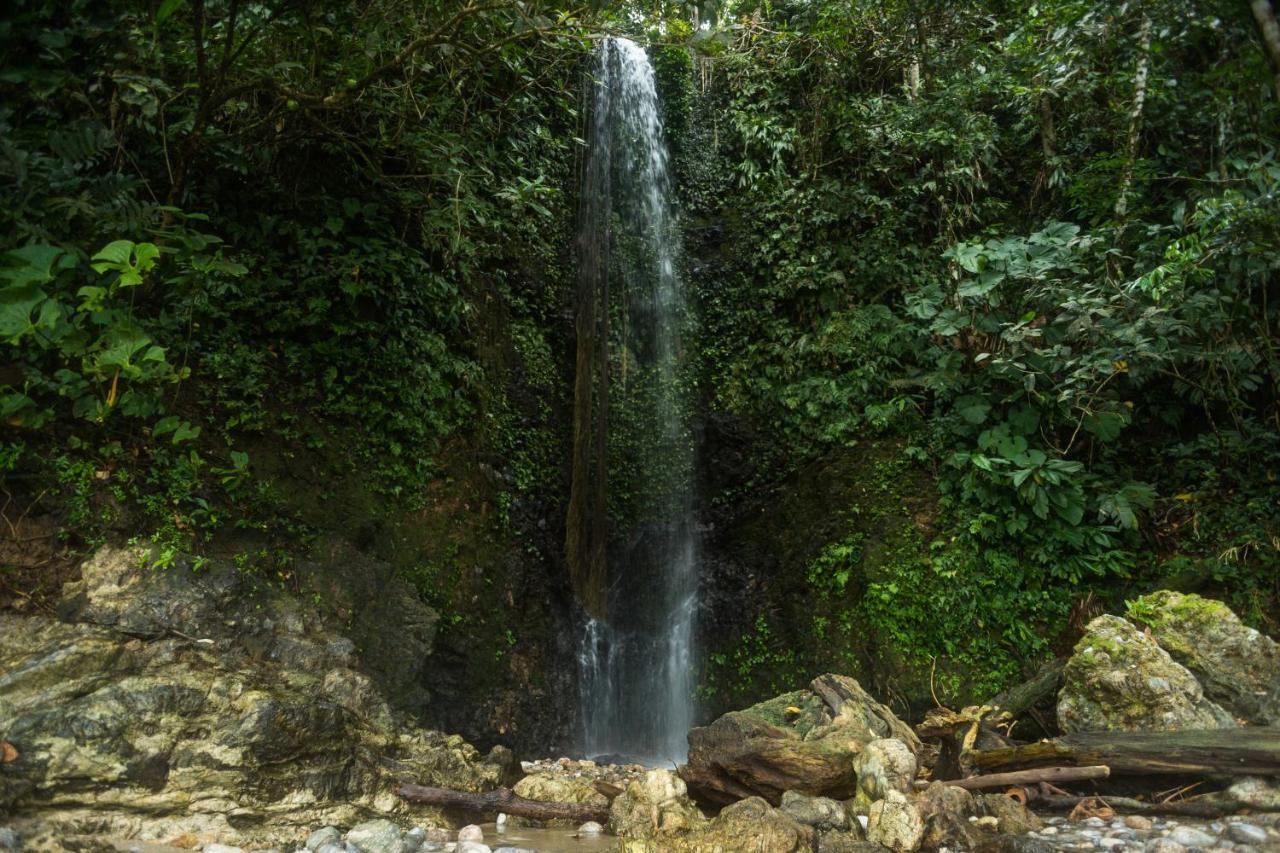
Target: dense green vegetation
{"x":1034,"y":248}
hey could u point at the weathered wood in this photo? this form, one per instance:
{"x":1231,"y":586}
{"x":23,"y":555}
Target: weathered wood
{"x":502,"y":800}
{"x":1028,"y":777}
{"x":1207,"y":807}
{"x":1042,"y":685}
{"x":1250,"y":751}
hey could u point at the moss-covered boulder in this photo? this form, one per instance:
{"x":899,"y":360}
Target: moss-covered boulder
{"x":1238,"y":666}
{"x":1120,"y":679}
{"x":804,"y":741}
{"x":556,"y":788}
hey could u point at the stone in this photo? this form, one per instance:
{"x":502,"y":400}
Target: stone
{"x":1238,"y":667}
{"x":751,"y":821}
{"x":416,"y":836}
{"x":946,"y":811}
{"x":845,"y":842}
{"x":1189,"y":836}
{"x":821,"y":813}
{"x":1119,"y":679}
{"x":9,"y":840}
{"x":655,"y":805}
{"x":885,"y":764}
{"x":1247,"y":833}
{"x":557,"y":788}
{"x":803,"y":741}
{"x":1012,"y":817}
{"x":377,"y":836}
{"x":591,"y":828}
{"x":1257,"y":793}
{"x":220,"y":848}
{"x":895,"y":823}
{"x":472,"y":847}
{"x":320,"y":837}
{"x":439,"y":835}
{"x":470,"y":832}
{"x":1137,"y":821}
{"x":1164,"y":845}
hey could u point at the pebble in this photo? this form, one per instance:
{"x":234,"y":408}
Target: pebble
{"x":472,"y":847}
{"x":1137,"y":821}
{"x":321,"y":836}
{"x":1095,"y":821}
{"x":591,"y":828}
{"x":221,"y":848}
{"x":416,"y":836}
{"x":514,"y":850}
{"x":436,"y":835}
{"x":470,"y":832}
{"x":1164,"y":845}
{"x":1247,"y":833}
{"x":1111,"y":843}
{"x":1189,"y":836}
{"x":9,"y":840}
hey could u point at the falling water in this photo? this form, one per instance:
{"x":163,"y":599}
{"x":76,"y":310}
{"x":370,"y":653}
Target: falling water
{"x":635,"y":664}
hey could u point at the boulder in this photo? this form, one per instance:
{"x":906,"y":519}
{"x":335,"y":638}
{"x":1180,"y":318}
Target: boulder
{"x":656,"y":805}
{"x":884,"y":765}
{"x":1238,"y":667}
{"x":821,"y":813}
{"x":749,"y":824}
{"x":803,"y":741}
{"x":552,"y":788}
{"x":896,"y":823}
{"x":1119,"y":679}
{"x":162,"y":719}
{"x":1012,"y":817}
{"x":378,"y":836}
{"x":945,"y":810}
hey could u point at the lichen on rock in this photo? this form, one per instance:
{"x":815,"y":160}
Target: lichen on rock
{"x":1119,"y":679}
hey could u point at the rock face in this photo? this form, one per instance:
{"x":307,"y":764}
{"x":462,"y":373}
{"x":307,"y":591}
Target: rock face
{"x":174,"y":715}
{"x":804,"y":741}
{"x":1238,"y":667}
{"x":1119,"y":679}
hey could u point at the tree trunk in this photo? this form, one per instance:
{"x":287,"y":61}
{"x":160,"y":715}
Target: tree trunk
{"x":502,"y":800}
{"x":1027,"y":777}
{"x":1264,"y":12}
{"x":1042,"y":685}
{"x":1135,"y":115}
{"x":1250,"y":751}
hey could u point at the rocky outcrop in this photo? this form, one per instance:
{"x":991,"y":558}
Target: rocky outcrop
{"x":1238,"y":667}
{"x":804,"y":741}
{"x":1120,"y":679}
{"x":188,"y":711}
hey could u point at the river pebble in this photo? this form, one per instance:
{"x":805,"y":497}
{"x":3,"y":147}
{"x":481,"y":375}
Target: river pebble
{"x":1247,"y":833}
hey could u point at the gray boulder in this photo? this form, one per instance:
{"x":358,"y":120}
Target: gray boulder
{"x":896,"y":823}
{"x":885,"y":764}
{"x":1119,"y":679}
{"x":822,"y":813}
{"x":1238,"y":667}
{"x":378,"y":836}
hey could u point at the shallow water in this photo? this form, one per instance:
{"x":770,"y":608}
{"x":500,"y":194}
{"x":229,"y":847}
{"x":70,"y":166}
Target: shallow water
{"x":547,"y":840}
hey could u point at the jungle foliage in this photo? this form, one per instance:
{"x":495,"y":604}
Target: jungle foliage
{"x":1039,"y":243}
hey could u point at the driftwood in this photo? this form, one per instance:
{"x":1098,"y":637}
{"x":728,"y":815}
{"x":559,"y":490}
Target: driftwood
{"x":1207,"y":807}
{"x":1025,"y":696}
{"x":1251,"y":751}
{"x":502,"y":800}
{"x":1052,"y":775}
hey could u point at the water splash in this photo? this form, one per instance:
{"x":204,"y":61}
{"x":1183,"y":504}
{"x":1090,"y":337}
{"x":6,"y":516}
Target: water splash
{"x":635,"y":665}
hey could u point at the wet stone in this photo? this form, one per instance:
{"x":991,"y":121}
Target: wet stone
{"x":1247,"y":833}
{"x":1189,"y":836}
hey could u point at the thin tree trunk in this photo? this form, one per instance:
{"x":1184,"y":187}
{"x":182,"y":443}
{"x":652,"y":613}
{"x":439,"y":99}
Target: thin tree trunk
{"x":1135,"y":116}
{"x":502,"y":800}
{"x":1264,"y":12}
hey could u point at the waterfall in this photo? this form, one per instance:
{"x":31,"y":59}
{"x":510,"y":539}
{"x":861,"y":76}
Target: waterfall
{"x":637,"y":575}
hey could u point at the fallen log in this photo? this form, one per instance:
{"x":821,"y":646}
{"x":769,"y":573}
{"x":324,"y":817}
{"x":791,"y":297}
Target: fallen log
{"x":1250,"y":751}
{"x":502,"y":800}
{"x":1039,"y":687}
{"x":1029,"y":777}
{"x":1206,"y":808}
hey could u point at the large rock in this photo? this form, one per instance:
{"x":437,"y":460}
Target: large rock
{"x":657,"y":805}
{"x":884,"y":765}
{"x":822,"y":813}
{"x":166,"y":720}
{"x":751,"y":824}
{"x":1119,"y":679}
{"x":896,"y":823}
{"x":1238,"y":667}
{"x":804,"y":741}
{"x":945,"y":811}
{"x":552,"y":788}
